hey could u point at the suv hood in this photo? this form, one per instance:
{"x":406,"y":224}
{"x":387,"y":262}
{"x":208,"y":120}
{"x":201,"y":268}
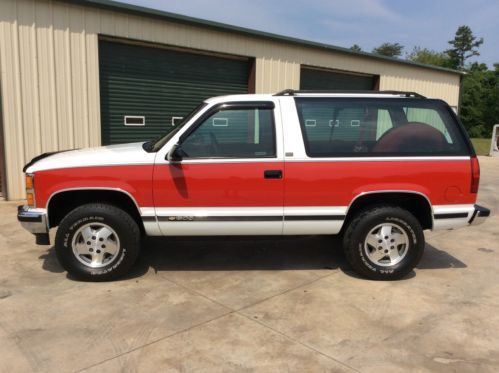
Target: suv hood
{"x":111,"y":155}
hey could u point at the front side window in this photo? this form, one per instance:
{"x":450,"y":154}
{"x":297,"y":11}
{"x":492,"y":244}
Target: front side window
{"x":233,"y":133}
{"x":378,"y":127}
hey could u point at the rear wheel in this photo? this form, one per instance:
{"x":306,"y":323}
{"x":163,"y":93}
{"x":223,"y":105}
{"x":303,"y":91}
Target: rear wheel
{"x":97,"y":242}
{"x":384,"y":243}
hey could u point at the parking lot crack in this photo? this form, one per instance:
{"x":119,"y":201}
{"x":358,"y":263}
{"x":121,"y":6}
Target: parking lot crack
{"x":286,"y":291}
{"x":155,"y":341}
{"x":305,"y":345}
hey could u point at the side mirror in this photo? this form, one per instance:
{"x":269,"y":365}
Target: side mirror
{"x":174,"y":154}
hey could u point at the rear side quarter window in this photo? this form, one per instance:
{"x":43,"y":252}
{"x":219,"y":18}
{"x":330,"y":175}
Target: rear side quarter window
{"x":370,"y":127}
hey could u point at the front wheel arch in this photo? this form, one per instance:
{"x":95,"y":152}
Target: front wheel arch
{"x":63,"y":202}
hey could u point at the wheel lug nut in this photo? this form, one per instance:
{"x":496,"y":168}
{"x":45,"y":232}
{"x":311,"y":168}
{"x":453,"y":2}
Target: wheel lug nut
{"x":101,"y":239}
{"x":386,"y":237}
{"x":392,"y":240}
{"x":91,"y":250}
{"x":392,"y":247}
{"x":93,"y":237}
{"x":380,"y":248}
{"x":380,"y":241}
{"x":89,"y":243}
{"x":98,"y":251}
{"x":103,"y":246}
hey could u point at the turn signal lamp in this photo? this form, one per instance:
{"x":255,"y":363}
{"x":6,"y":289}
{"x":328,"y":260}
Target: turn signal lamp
{"x":30,"y":191}
{"x":29,"y":182}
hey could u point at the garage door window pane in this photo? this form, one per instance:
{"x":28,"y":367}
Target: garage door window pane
{"x":244,"y":133}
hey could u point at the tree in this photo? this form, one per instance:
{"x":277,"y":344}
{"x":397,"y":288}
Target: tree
{"x":472,"y":100}
{"x":356,"y":48}
{"x":389,"y":49}
{"x":464,"y":45}
{"x":429,"y":57}
{"x":490,"y":115}
{"x":480,"y":98}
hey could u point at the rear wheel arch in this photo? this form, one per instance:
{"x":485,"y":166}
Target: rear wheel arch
{"x":416,"y":203}
{"x":62,"y":202}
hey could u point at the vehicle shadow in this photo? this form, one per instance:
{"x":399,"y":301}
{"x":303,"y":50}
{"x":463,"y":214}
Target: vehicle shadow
{"x":434,"y":258}
{"x":241,"y":253}
{"x":50,"y":262}
{"x":250,"y":253}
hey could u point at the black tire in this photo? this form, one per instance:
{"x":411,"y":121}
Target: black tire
{"x":356,"y":251}
{"x":125,"y":228}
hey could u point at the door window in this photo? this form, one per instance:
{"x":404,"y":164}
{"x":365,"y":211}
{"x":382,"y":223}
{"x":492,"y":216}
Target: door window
{"x":235,"y":133}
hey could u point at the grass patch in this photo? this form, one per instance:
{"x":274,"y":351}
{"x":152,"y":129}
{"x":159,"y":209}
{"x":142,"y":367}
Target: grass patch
{"x":482,"y":146}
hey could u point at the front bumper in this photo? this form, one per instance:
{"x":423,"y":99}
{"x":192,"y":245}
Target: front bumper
{"x":33,"y":220}
{"x":479,"y":215}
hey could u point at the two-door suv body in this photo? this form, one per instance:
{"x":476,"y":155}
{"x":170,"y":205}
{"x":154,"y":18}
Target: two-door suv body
{"x":376,"y":168}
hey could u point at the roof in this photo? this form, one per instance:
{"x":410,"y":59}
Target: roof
{"x":173,"y":17}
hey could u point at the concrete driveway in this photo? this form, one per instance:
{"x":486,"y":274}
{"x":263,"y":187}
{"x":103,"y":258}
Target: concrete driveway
{"x":255,"y":305}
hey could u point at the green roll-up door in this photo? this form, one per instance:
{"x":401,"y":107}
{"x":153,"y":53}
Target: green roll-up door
{"x":150,"y":86}
{"x":312,"y":79}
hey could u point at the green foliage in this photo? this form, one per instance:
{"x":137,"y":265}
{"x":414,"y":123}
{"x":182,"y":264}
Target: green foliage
{"x":356,"y":48}
{"x":429,"y":57}
{"x":480,"y":100}
{"x":389,"y":49}
{"x":464,"y":45}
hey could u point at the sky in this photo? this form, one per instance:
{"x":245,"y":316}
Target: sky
{"x":368,"y":23}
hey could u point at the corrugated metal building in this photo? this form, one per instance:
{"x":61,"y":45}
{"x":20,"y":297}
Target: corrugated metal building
{"x":84,"y":73}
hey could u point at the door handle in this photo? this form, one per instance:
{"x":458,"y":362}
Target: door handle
{"x":272,"y":174}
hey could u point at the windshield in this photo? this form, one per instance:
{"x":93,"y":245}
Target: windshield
{"x":154,"y":145}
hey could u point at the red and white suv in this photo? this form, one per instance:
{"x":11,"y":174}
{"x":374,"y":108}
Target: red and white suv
{"x":377,"y":168}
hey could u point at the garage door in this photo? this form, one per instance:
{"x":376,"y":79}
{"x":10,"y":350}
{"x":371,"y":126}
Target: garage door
{"x":314,"y":79}
{"x":146,"y":91}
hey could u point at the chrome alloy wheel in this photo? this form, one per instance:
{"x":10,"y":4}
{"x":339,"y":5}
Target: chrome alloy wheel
{"x":386,"y":244}
{"x":95,"y":245}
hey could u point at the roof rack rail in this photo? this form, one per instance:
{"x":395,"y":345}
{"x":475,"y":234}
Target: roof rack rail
{"x":293,"y":92}
{"x":404,"y":93}
{"x":286,"y":92}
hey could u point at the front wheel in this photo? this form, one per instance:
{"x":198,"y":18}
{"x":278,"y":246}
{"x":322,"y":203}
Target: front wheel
{"x":97,"y":242}
{"x":384,"y":243}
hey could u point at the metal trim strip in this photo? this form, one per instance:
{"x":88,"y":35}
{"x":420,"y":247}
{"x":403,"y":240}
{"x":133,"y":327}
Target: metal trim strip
{"x":314,"y":217}
{"x":175,"y":219}
{"x":456,"y":215}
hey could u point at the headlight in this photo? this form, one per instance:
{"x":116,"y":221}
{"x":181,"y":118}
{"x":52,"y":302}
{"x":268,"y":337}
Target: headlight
{"x":30,"y":189}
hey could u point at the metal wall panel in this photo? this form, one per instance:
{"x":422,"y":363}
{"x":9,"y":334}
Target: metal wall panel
{"x":50,"y":71}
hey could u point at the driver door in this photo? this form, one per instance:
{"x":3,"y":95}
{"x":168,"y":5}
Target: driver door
{"x":228,"y":178}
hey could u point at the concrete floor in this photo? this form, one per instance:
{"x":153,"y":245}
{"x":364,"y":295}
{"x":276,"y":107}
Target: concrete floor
{"x":255,"y":305}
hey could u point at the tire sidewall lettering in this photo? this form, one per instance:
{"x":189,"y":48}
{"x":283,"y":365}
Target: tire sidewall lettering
{"x":406,"y":226}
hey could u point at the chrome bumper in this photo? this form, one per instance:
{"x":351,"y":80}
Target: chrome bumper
{"x":479,"y":215}
{"x":33,"y":220}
